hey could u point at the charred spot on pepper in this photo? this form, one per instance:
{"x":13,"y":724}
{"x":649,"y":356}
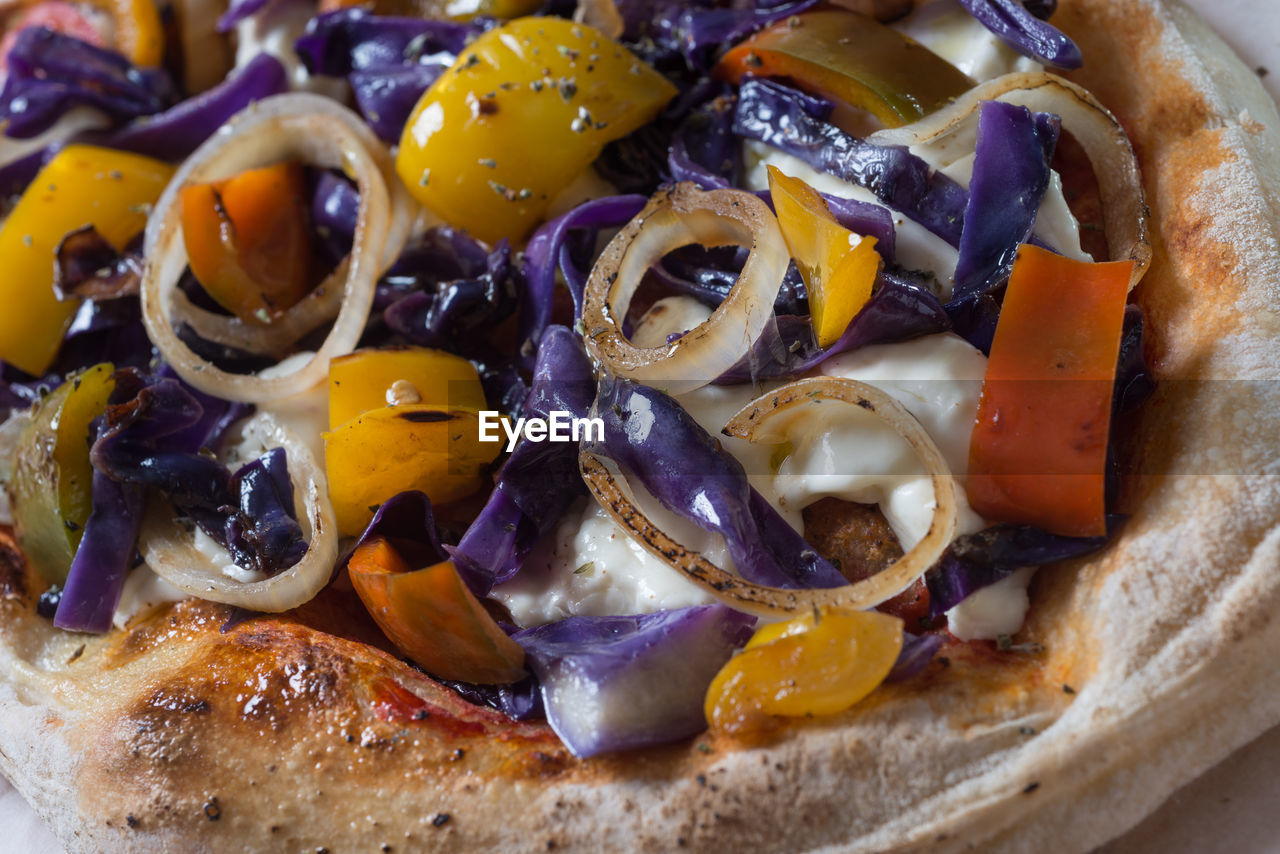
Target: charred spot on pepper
{"x":427,"y":416}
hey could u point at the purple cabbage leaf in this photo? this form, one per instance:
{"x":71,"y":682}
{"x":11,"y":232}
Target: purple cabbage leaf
{"x":663,"y":449}
{"x":619,"y":683}
{"x":1016,"y":25}
{"x":49,"y":73}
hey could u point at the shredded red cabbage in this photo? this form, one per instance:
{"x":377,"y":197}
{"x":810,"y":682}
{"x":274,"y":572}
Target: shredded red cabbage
{"x":550,"y":248}
{"x":540,"y":479}
{"x":102,"y":561}
{"x":49,"y":73}
{"x":1018,"y":27}
{"x":1010,"y":175}
{"x":617,"y":683}
{"x":178,"y":131}
{"x":388,"y":61}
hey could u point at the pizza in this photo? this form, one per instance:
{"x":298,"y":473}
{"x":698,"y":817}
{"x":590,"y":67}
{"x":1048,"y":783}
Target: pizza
{"x":269,"y":690}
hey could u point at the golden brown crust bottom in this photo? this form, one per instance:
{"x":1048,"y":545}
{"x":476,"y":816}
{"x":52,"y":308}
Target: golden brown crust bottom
{"x":273,"y":735}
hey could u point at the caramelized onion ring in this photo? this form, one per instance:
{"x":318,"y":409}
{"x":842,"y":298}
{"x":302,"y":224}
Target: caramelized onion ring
{"x":750,"y":424}
{"x":171,"y":553}
{"x":676,"y":217}
{"x":1125,"y":216}
{"x":316,"y":130}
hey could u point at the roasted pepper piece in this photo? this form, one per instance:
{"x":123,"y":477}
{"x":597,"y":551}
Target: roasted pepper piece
{"x":398,"y":448}
{"x":82,"y":185}
{"x":838,"y":266}
{"x":521,"y":113}
{"x":1039,"y":448}
{"x":360,"y":381}
{"x":819,"y":663}
{"x":853,"y":60}
{"x":433,"y":618}
{"x":52,"y":477}
{"x":138,"y":34}
{"x":248,"y":241}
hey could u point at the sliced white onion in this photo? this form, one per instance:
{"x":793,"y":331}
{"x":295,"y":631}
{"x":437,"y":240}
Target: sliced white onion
{"x":301,"y":126}
{"x":954,"y":129}
{"x":750,"y":424}
{"x":601,"y":14}
{"x":315,"y":309}
{"x":676,"y":217}
{"x":169,"y":547}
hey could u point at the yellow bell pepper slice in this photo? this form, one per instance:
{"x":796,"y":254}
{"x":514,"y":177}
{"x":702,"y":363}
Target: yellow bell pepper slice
{"x":139,"y":35}
{"x":524,"y":109}
{"x":82,"y":185}
{"x":360,"y":381}
{"x":387,"y":451}
{"x":820,"y":663}
{"x":52,"y":477}
{"x":839,"y":267}
{"x":433,"y":618}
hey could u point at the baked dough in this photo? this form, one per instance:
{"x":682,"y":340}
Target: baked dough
{"x":1158,"y":654}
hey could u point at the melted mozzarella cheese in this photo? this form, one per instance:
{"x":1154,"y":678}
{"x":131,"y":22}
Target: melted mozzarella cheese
{"x":590,"y":566}
{"x":144,"y":591}
{"x":274,"y":30}
{"x":847,"y":453}
{"x":945,"y":28}
{"x":995,"y":610}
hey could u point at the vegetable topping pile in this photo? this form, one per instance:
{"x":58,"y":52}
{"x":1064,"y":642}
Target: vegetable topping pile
{"x":642,"y":366}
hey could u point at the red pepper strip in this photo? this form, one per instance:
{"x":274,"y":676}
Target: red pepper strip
{"x":1039,"y":448}
{"x":248,"y":240}
{"x":433,"y":618}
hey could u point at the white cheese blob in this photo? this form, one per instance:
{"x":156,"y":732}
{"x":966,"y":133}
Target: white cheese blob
{"x":844,"y":452}
{"x":144,"y":591}
{"x":944,"y":27}
{"x":273,"y":31}
{"x":590,"y":566}
{"x":995,"y":610}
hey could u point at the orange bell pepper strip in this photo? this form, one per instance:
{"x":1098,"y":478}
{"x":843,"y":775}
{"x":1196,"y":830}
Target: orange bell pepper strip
{"x":139,"y":35}
{"x":1039,"y":447}
{"x":433,"y":618}
{"x":82,"y":185}
{"x":248,"y":241}
{"x":839,"y":267}
{"x":853,"y":60}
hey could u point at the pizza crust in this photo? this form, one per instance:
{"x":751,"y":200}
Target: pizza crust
{"x":176,"y":735}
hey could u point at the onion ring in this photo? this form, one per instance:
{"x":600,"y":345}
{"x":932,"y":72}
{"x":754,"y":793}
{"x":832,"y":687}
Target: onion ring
{"x":316,"y":308}
{"x":749,"y":424}
{"x":676,"y":217}
{"x":170,"y":553}
{"x":1124,"y":210}
{"x":296,"y":125}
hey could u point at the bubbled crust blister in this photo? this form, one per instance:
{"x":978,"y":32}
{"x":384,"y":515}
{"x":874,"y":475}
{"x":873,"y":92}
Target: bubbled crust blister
{"x":1164,"y":639}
